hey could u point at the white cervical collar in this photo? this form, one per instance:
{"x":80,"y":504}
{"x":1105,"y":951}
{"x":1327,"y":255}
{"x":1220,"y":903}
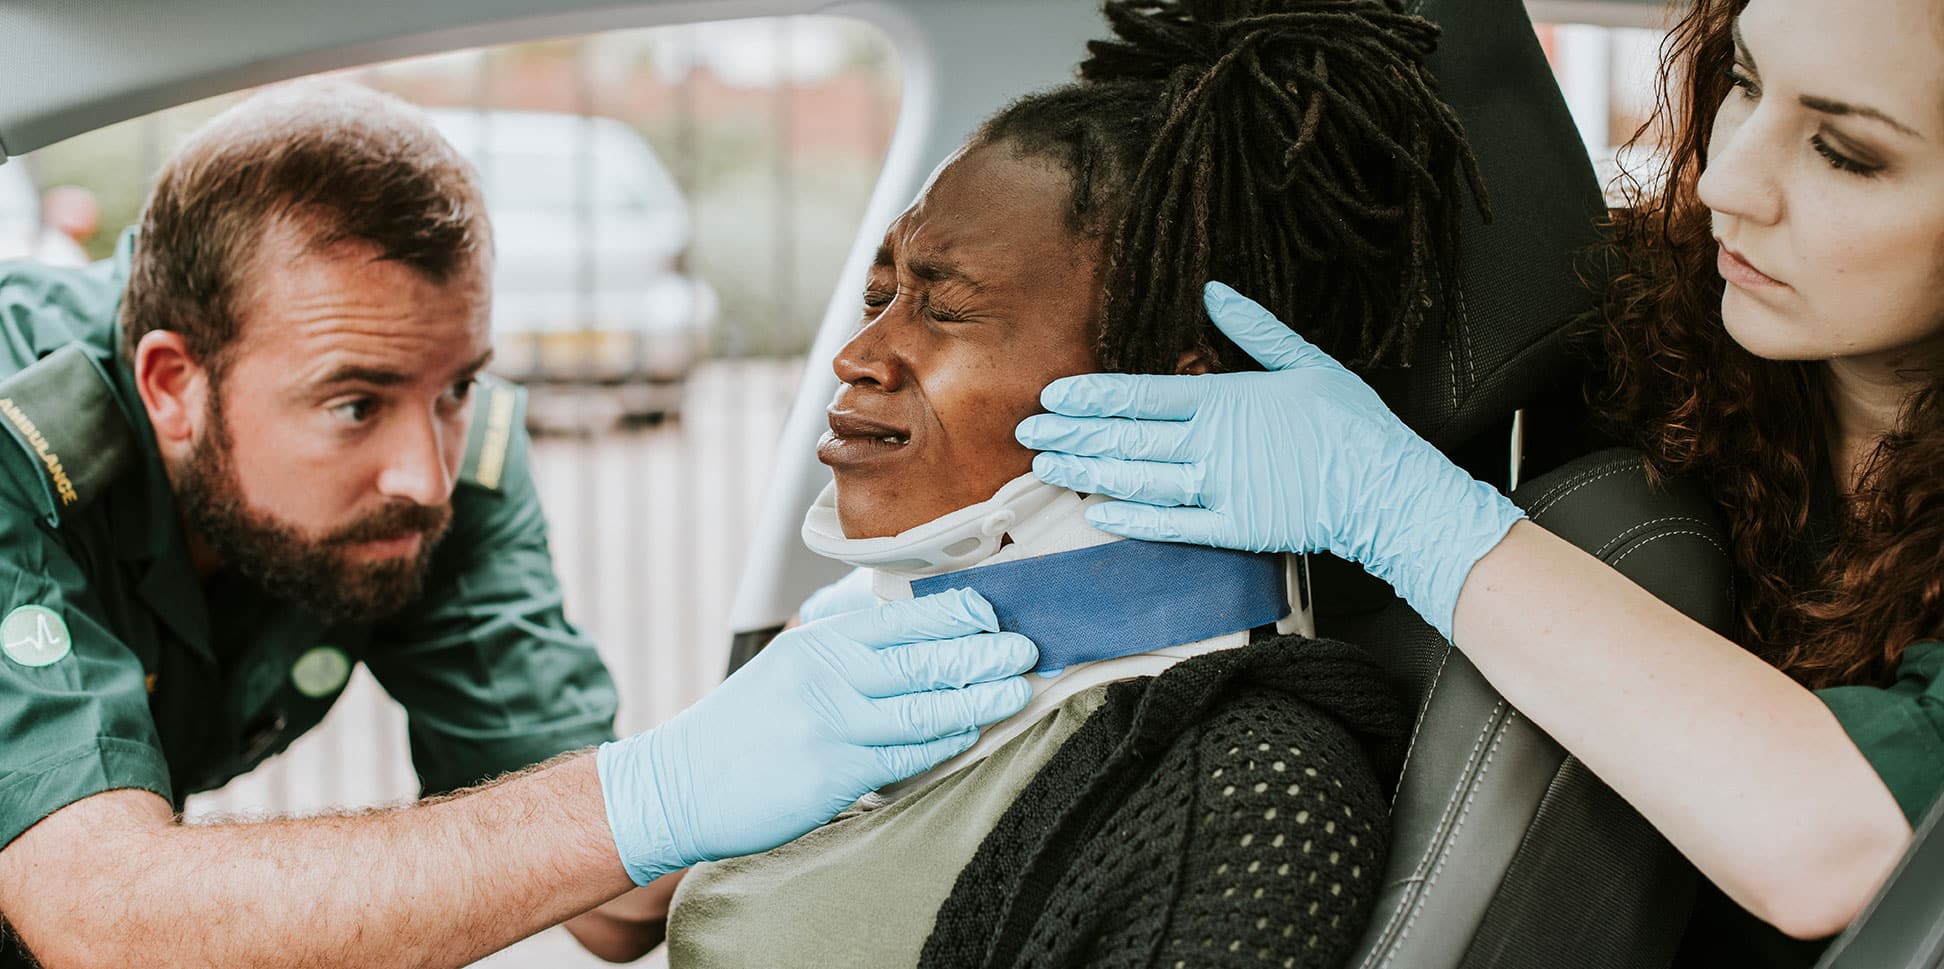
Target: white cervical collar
{"x":1040,"y":519}
{"x":1024,"y":508}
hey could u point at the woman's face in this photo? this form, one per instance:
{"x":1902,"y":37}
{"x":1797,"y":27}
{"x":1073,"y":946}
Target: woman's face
{"x":979,"y":297}
{"x":1825,"y":178}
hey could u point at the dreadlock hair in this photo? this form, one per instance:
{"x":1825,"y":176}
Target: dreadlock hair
{"x":1295,"y":149}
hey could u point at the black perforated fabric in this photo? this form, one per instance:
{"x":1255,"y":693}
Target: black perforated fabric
{"x":1230,"y":812}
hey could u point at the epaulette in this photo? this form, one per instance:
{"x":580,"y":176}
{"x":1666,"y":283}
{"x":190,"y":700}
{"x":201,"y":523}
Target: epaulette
{"x":498,"y":408}
{"x":62,"y":410}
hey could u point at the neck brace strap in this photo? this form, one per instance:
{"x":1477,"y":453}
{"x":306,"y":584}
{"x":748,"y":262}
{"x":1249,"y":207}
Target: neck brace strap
{"x":1124,"y":597}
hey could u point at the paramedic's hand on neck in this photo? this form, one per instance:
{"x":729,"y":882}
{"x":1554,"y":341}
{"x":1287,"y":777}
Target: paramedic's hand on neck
{"x":1303,"y":457}
{"x":828,"y":712}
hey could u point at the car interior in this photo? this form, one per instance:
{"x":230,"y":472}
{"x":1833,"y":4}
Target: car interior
{"x":1506,"y":851}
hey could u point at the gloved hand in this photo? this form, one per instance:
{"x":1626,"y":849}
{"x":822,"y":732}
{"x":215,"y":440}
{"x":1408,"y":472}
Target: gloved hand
{"x":848,"y":594}
{"x":826,"y":713}
{"x":1302,"y":458}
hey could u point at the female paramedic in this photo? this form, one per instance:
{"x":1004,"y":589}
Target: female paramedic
{"x":1777,"y":334}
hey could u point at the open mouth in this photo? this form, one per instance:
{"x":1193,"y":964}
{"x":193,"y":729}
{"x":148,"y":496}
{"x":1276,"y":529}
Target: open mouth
{"x":853,"y":439}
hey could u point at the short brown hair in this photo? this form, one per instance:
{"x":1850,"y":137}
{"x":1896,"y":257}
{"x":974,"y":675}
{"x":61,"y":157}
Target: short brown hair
{"x":338,"y":162}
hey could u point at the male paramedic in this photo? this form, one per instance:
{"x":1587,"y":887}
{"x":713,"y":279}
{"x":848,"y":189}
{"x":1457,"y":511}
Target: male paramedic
{"x":254,"y":449}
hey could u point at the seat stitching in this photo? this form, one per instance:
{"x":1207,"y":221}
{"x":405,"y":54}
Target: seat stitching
{"x":1603,"y":475}
{"x":1465,"y":341}
{"x":1729,"y":592}
{"x":1438,"y":845}
{"x":1636,"y":529}
{"x":1570,"y":479}
{"x":1575,"y":483}
{"x":1471,"y":793}
{"x":1704,"y":536}
{"x":1416,"y":731}
{"x":1417,"y":871}
{"x":1451,"y":368}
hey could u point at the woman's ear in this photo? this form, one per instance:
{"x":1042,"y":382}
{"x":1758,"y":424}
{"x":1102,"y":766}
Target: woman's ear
{"x":174,"y":387}
{"x":1194,"y":363}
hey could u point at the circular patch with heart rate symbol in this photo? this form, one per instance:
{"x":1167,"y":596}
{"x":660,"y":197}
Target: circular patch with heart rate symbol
{"x":34,"y":636}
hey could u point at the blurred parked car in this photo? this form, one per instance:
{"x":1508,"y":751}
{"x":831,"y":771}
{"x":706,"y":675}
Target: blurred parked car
{"x":25,"y":230}
{"x":589,"y":228}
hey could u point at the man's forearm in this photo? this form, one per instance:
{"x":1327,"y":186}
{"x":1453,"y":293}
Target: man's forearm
{"x":439,"y":883}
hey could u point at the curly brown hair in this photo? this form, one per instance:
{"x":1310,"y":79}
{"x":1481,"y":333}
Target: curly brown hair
{"x":1754,"y":430}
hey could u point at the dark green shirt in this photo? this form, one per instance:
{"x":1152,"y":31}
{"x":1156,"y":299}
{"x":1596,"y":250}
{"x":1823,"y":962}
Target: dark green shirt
{"x":1900,"y":728}
{"x":119,"y":669}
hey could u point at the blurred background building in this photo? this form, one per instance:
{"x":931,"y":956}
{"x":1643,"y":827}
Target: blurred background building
{"x":672,"y":208}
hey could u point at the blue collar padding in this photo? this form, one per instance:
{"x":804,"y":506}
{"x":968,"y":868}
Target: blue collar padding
{"x":1124,"y":597}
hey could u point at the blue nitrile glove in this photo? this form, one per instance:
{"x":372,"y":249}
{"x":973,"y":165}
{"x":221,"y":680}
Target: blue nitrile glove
{"x":1302,"y":458}
{"x":848,"y":594}
{"x":825,"y":714}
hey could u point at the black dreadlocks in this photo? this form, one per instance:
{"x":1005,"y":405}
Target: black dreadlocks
{"x":1295,"y":149}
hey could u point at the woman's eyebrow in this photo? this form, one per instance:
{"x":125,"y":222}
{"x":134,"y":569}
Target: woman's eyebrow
{"x":931,"y":269}
{"x":1824,"y":105}
{"x":935,"y":270}
{"x":1829,"y":106}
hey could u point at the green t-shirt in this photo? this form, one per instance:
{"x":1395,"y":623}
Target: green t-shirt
{"x":119,"y":669}
{"x":1900,"y":728}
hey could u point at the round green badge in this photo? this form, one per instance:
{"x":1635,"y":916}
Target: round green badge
{"x":321,"y":671}
{"x":34,"y":636}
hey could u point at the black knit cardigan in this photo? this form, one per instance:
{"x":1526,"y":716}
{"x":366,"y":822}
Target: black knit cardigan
{"x":1232,"y":811}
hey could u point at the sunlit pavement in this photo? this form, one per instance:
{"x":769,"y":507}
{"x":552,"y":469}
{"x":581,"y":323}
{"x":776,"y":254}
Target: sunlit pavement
{"x":649,"y":529}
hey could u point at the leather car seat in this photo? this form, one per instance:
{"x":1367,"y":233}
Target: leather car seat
{"x":1506,"y":852}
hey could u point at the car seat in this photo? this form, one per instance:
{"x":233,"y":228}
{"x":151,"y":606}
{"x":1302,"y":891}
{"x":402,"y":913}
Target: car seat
{"x":1506,"y":851}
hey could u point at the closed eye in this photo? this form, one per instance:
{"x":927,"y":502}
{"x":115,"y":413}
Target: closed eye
{"x":1744,"y":81}
{"x":1840,"y":161}
{"x":941,"y":314}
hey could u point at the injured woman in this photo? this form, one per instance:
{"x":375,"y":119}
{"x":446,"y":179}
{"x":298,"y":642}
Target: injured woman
{"x":1188,"y":787}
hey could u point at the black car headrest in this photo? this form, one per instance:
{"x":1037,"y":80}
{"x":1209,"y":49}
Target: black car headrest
{"x":1504,"y":342}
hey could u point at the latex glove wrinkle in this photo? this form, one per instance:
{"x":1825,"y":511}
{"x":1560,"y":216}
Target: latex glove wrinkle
{"x":828,"y":712}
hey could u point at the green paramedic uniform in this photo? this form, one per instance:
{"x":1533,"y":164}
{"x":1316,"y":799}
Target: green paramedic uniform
{"x":118,"y":669}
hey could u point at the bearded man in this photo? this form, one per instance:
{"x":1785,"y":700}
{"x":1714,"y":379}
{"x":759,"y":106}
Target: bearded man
{"x":256,"y":448}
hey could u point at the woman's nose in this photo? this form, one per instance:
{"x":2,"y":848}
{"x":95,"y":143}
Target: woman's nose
{"x":869,"y":357}
{"x":1740,"y":180}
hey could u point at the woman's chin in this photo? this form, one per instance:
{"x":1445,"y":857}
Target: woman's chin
{"x":863,"y":515}
{"x":1764,"y":332}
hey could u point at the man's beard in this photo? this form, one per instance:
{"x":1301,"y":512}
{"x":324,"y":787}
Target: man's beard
{"x":316,"y":574}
